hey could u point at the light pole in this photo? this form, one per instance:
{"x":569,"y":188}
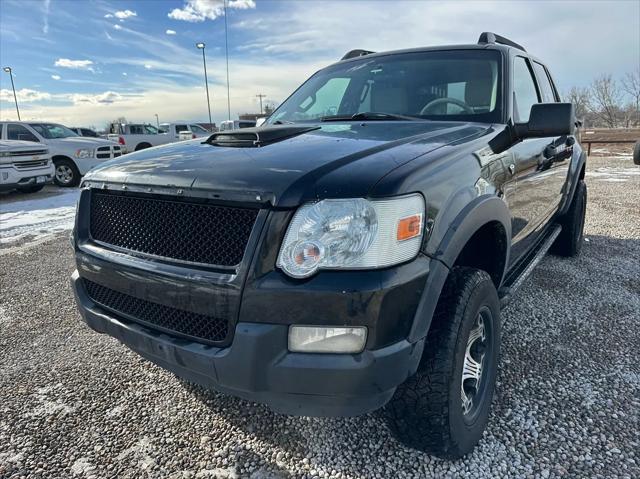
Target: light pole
{"x":10,"y":72}
{"x":157,"y":121}
{"x":226,"y":47}
{"x":201,"y":46}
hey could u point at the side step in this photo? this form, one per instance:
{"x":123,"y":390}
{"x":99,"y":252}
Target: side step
{"x":515,"y":280}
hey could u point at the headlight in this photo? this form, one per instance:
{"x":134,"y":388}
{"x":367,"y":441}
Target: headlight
{"x":352,"y":234}
{"x":83,"y":153}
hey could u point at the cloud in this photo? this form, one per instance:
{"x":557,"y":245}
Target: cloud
{"x":117,"y":27}
{"x":147,"y":66}
{"x":170,"y":32}
{"x":124,"y":14}
{"x":25,"y":95}
{"x":109,"y":15}
{"x":45,"y":10}
{"x":56,"y":77}
{"x":124,"y":74}
{"x":201,"y":10}
{"x":75,"y":64}
{"x":101,"y":98}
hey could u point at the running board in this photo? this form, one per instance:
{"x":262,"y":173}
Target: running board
{"x":515,"y":280}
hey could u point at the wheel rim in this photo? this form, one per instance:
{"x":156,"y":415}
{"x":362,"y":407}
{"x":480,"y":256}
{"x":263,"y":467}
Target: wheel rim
{"x":474,"y":369}
{"x":64,"y":174}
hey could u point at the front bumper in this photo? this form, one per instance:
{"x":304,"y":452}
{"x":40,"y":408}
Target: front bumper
{"x":11,"y":177}
{"x":258,"y":367}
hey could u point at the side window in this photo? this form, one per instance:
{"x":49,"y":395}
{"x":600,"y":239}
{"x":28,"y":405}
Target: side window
{"x":546,"y":90}
{"x":86,"y":132}
{"x":180,"y":128}
{"x":19,"y":132}
{"x":524,"y":90}
{"x":327,"y":99}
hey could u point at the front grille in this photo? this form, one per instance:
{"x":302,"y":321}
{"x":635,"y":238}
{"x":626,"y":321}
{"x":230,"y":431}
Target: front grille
{"x":173,"y":229}
{"x":154,"y":315}
{"x":107,"y":152}
{"x":22,"y":165}
{"x":28,"y":153}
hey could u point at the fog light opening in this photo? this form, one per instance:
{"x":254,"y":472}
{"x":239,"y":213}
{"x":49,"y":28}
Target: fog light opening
{"x":327,"y":339}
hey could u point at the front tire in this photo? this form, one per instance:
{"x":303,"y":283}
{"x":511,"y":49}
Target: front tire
{"x":66,"y":173}
{"x":444,"y":408}
{"x":570,"y":240}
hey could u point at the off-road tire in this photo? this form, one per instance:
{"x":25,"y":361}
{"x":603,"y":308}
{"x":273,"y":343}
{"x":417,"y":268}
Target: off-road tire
{"x":569,"y":241}
{"x":59,"y":180}
{"x":30,"y":189}
{"x":426,"y":412}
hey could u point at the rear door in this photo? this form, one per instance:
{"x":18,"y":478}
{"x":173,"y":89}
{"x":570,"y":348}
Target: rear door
{"x":536,"y":196}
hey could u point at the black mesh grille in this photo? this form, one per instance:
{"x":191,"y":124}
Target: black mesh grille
{"x":195,"y":232}
{"x":185,"y":323}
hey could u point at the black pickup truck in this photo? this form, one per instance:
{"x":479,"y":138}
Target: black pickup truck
{"x":355,"y":251}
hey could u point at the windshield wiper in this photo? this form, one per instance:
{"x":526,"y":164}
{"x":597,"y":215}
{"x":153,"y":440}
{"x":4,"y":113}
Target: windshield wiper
{"x":371,"y":115}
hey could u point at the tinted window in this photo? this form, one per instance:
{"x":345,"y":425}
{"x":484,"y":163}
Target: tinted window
{"x":180,"y":128}
{"x":19,"y":132}
{"x":52,"y":130}
{"x":524,"y":90}
{"x":447,"y":85}
{"x":543,"y":82}
{"x":87,"y":132}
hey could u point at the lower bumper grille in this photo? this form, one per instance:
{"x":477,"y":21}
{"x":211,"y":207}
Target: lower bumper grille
{"x":157,"y":316}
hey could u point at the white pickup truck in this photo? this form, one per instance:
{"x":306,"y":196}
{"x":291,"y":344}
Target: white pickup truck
{"x":24,"y":166}
{"x":184,"y":131}
{"x":72,"y":155}
{"x":137,"y":136}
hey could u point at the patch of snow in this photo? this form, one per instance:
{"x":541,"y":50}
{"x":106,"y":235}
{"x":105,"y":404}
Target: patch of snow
{"x":613,"y":174}
{"x":38,"y":217}
{"x":82,"y":466}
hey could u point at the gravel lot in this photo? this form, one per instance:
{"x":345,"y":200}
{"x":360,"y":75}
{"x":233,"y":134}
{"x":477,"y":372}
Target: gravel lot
{"x":77,"y":404}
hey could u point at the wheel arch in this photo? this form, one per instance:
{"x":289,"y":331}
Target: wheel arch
{"x":143,"y":145}
{"x":483,"y":224}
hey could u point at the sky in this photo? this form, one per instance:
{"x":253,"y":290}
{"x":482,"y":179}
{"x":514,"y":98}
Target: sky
{"x":84,"y":63}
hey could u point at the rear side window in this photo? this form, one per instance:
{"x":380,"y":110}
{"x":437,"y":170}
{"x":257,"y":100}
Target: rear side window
{"x":19,"y":132}
{"x":180,"y":128}
{"x":546,"y":90}
{"x":524,"y":90}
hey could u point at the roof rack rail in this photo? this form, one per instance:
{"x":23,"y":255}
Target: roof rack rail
{"x":490,"y":37}
{"x":356,"y":53}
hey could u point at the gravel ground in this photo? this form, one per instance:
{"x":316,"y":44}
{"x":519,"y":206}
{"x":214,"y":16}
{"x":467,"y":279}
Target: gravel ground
{"x":77,"y":404}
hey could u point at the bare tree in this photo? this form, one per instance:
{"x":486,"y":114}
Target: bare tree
{"x":631,"y":86}
{"x":606,"y":97}
{"x":581,"y":99}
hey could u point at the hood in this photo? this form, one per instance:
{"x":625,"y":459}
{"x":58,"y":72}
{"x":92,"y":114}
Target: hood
{"x":19,"y":145}
{"x":81,"y":142}
{"x":290,"y":171}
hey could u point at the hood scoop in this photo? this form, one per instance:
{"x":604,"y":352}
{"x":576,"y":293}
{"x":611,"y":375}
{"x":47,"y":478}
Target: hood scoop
{"x":257,"y":137}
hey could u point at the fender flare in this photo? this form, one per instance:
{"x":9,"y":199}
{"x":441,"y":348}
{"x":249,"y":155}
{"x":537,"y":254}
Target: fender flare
{"x":572,"y":182}
{"x":482,"y":210}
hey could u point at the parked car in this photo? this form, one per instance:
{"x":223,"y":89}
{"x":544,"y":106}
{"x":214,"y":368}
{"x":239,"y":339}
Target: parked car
{"x":354,"y":252}
{"x":184,"y":131}
{"x":137,"y":136}
{"x":24,"y":166}
{"x":72,"y":155}
{"x":236,"y":124}
{"x":85,"y":132}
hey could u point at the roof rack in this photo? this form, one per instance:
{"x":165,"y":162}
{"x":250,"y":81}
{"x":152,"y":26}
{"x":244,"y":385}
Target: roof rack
{"x":356,"y":53}
{"x":490,"y":37}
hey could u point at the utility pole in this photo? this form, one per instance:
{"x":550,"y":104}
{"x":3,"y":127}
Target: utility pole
{"x":261,"y":96}
{"x":157,"y":121}
{"x":226,"y":46}
{"x":13,"y":87}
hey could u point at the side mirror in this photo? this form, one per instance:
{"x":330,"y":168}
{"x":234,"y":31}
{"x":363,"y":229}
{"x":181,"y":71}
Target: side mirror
{"x":545,"y":120}
{"x":548,"y":119}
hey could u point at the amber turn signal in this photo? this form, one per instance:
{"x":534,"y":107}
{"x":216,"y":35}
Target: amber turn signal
{"x":409,"y":227}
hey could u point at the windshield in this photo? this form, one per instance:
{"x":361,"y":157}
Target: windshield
{"x":198,"y":129}
{"x":51,"y":130}
{"x":438,"y":85}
